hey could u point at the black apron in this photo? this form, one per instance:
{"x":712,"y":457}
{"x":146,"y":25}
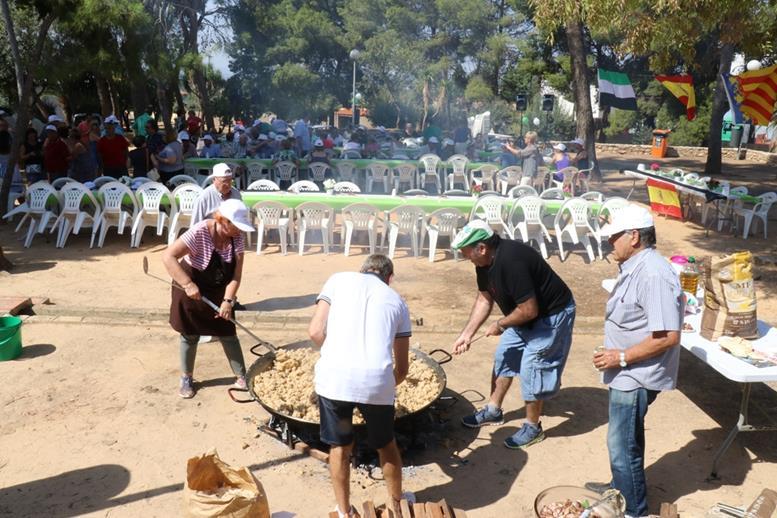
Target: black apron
{"x":194,"y":317}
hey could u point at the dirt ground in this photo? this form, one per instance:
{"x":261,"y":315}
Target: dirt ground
{"x":91,"y":423}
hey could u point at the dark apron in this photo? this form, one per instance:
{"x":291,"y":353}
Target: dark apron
{"x":194,"y":317}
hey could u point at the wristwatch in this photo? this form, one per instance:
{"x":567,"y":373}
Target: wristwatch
{"x":622,"y":356}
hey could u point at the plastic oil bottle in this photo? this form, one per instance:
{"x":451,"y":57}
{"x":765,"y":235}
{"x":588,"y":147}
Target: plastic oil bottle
{"x":689,"y":276}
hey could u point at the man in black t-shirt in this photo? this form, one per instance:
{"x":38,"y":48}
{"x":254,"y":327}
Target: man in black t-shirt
{"x":535,"y":331}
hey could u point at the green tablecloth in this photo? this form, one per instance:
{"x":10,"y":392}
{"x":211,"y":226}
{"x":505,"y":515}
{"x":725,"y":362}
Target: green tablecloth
{"x":381,"y":201}
{"x":361,"y":163}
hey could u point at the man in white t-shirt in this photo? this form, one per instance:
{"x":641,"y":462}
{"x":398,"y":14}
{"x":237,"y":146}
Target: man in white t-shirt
{"x":359,"y":323}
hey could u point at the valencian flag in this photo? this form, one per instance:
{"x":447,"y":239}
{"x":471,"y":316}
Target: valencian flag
{"x":664,"y":199}
{"x":759,"y":93}
{"x":615,"y":90}
{"x":681,"y":87}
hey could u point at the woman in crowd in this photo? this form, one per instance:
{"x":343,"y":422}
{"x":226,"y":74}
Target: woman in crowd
{"x":83,"y":168}
{"x":560,"y":159}
{"x":31,"y":156}
{"x":207,"y":261}
{"x":138,"y":158}
{"x":169,"y":162}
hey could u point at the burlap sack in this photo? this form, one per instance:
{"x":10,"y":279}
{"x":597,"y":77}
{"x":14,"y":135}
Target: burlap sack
{"x":214,"y":488}
{"x":729,"y":297}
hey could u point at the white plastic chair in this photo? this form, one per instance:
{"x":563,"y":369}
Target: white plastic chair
{"x":458,"y":172}
{"x":59,"y":183}
{"x":318,"y":171}
{"x":456,"y":192}
{"x":726,"y":209}
{"x":315,"y":216}
{"x":594,"y":196}
{"x":263,"y":185}
{"x":285,"y":172}
{"x":185,"y":197}
{"x":272,"y":215}
{"x":75,"y":199}
{"x":405,"y":174}
{"x":530,"y":226}
{"x":491,"y":208}
{"x":556,"y":193}
{"x":256,"y":171}
{"x":346,"y":171}
{"x":484,"y":175}
{"x":415,"y":192}
{"x":430,"y":172}
{"x":42,"y":202}
{"x":150,"y":197}
{"x":102,"y":180}
{"x":520,"y":191}
{"x":543,"y":179}
{"x":447,"y":222}
{"x":346,"y":187}
{"x":304,"y":186}
{"x":116,"y":201}
{"x":360,"y":216}
{"x":190,"y":170}
{"x":573,"y":224}
{"x":405,"y":219}
{"x":508,"y":177}
{"x":760,"y":210}
{"x":208,"y":181}
{"x":181,"y":179}
{"x":378,"y":173}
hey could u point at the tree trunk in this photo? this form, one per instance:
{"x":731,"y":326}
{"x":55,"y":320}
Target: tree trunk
{"x":24,"y":85}
{"x":132,"y":56}
{"x":582,"y":92}
{"x":104,"y":95}
{"x":164,"y":104}
{"x":201,"y":85}
{"x":719,"y":109}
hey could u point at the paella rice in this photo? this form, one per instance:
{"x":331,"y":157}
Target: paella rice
{"x":289,"y":388}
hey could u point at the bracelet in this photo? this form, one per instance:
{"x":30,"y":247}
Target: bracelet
{"x":498,"y":325}
{"x":231,"y":302}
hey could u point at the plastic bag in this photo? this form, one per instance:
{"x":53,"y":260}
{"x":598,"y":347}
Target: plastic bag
{"x":729,"y":297}
{"x":213,"y":488}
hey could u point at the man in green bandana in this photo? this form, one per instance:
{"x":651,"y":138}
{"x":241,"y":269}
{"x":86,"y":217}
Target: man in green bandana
{"x":535,"y":331}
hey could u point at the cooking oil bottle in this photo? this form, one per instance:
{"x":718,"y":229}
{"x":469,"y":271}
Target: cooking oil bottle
{"x":689,"y":276}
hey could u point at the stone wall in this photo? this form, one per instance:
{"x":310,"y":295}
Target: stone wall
{"x":761,"y":157}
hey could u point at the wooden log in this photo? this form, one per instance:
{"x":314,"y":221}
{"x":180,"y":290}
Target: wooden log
{"x":669,"y":510}
{"x":369,"y":510}
{"x":447,"y":512}
{"x":433,"y":510}
{"x":419,"y":511}
{"x":404,"y":507}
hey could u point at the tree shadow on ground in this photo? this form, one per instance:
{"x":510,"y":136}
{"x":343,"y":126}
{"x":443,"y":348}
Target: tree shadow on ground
{"x":283,"y":303}
{"x":686,"y":470}
{"x":33,"y":351}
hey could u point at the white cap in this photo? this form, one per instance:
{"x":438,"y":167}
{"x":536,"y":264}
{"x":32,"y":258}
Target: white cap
{"x":183,"y":135}
{"x":222,"y":170}
{"x":55,"y":118}
{"x":447,"y":142}
{"x":237,"y":213}
{"x":111,"y":119}
{"x":578,"y":141}
{"x":262,"y":136}
{"x":631,"y":217}
{"x":560,"y":147}
{"x":433,"y":140}
{"x":318,"y":143}
{"x":50,"y":127}
{"x":208,"y":136}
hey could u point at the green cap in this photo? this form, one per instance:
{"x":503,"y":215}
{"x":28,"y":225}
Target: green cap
{"x":473,"y":232}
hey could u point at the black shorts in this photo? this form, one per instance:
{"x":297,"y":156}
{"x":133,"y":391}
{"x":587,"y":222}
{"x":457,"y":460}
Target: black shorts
{"x":337,"y":424}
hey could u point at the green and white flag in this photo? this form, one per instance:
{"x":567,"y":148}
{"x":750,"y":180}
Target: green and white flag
{"x":615,"y":90}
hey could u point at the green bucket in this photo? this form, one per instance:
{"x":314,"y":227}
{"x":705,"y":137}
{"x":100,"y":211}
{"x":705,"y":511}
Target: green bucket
{"x":10,"y":338}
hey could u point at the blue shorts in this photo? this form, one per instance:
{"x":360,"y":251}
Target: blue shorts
{"x":537,"y":354}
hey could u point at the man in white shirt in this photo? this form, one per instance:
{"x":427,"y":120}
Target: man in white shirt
{"x":359,"y":323}
{"x":220,"y":190}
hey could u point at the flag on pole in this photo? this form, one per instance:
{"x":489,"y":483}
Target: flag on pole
{"x":759,"y":93}
{"x":615,"y":90}
{"x":664,"y":198}
{"x":731,"y":85}
{"x":681,"y":87}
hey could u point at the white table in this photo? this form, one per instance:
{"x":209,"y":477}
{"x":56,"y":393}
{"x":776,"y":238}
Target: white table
{"x":736,"y":370}
{"x":732,"y":368}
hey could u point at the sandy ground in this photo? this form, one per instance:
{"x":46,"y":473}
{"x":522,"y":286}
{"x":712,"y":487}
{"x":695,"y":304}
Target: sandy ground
{"x":91,"y":423}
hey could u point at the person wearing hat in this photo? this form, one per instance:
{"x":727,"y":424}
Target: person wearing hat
{"x":535,"y":333}
{"x":113,"y":150}
{"x":56,"y":154}
{"x":560,"y":159}
{"x":433,"y":143}
{"x":580,"y":160}
{"x":209,"y":148}
{"x":642,"y":328}
{"x":207,"y":261}
{"x":216,"y":193}
{"x":189,"y":150}
{"x":319,"y":154}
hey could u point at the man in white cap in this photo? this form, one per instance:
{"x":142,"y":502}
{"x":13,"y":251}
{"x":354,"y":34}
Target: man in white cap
{"x":209,"y":148}
{"x":535,"y":331}
{"x":220,"y":190}
{"x":113,"y":150}
{"x":641,"y":356}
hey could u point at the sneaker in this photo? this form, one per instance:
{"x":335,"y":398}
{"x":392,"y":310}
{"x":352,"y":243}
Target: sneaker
{"x":240,"y":383}
{"x":598,"y":487}
{"x":187,"y":387}
{"x":352,"y":513}
{"x":483,"y":417}
{"x":528,"y":434}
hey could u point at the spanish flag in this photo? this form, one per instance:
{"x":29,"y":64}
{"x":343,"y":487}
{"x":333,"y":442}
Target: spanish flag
{"x":759,"y":93}
{"x":681,"y":87}
{"x":664,"y":199}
